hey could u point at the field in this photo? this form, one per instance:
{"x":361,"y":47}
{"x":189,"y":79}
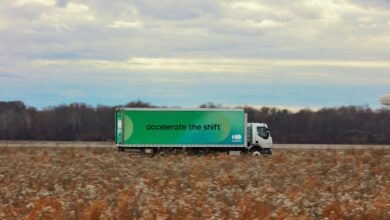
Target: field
{"x":101,"y":183}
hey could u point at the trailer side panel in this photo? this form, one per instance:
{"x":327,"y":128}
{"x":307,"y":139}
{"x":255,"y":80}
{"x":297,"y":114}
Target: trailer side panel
{"x":183,"y":128}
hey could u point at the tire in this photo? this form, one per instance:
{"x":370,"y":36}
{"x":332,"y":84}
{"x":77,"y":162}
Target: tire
{"x":161,"y":154}
{"x":256,"y":153}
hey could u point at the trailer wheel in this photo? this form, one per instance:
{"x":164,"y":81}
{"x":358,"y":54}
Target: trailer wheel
{"x":175,"y":151}
{"x":161,"y":154}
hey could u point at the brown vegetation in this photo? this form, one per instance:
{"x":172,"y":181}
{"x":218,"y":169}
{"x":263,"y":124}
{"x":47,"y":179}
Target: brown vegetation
{"x":76,"y":183}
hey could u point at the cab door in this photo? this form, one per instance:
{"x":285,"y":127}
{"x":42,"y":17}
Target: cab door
{"x":262,"y":136}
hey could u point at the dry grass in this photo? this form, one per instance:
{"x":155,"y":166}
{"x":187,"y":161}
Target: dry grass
{"x":76,"y":183}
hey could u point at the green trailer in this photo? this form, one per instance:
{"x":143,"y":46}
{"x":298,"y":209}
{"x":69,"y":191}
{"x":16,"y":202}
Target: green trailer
{"x":157,"y":130}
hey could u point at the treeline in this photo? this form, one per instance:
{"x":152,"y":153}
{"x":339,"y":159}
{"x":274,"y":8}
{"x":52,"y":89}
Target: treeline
{"x":344,"y":125}
{"x":78,"y":121}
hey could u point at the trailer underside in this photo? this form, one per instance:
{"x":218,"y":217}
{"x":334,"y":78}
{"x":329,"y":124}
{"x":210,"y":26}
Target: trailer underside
{"x":163,"y":149}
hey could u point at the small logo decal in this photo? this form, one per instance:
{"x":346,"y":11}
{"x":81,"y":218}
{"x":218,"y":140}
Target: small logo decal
{"x":236,"y":137}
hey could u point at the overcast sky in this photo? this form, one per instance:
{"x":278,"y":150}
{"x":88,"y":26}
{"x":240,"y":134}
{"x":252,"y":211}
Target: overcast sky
{"x":301,"y":53}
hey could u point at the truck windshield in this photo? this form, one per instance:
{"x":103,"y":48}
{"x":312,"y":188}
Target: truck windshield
{"x":263,"y":132}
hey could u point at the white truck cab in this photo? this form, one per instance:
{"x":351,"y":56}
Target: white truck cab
{"x":259,"y":138}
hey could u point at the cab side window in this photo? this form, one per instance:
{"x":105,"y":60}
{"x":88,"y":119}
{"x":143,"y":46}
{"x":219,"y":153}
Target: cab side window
{"x":263,"y":132}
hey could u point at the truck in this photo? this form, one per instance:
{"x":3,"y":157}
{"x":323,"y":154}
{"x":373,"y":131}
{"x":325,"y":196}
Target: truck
{"x":162,"y":130}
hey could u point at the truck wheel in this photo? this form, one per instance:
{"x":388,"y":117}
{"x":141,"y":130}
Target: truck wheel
{"x":161,"y":154}
{"x":256,"y":153}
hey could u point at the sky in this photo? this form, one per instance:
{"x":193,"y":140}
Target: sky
{"x":293,"y":54}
